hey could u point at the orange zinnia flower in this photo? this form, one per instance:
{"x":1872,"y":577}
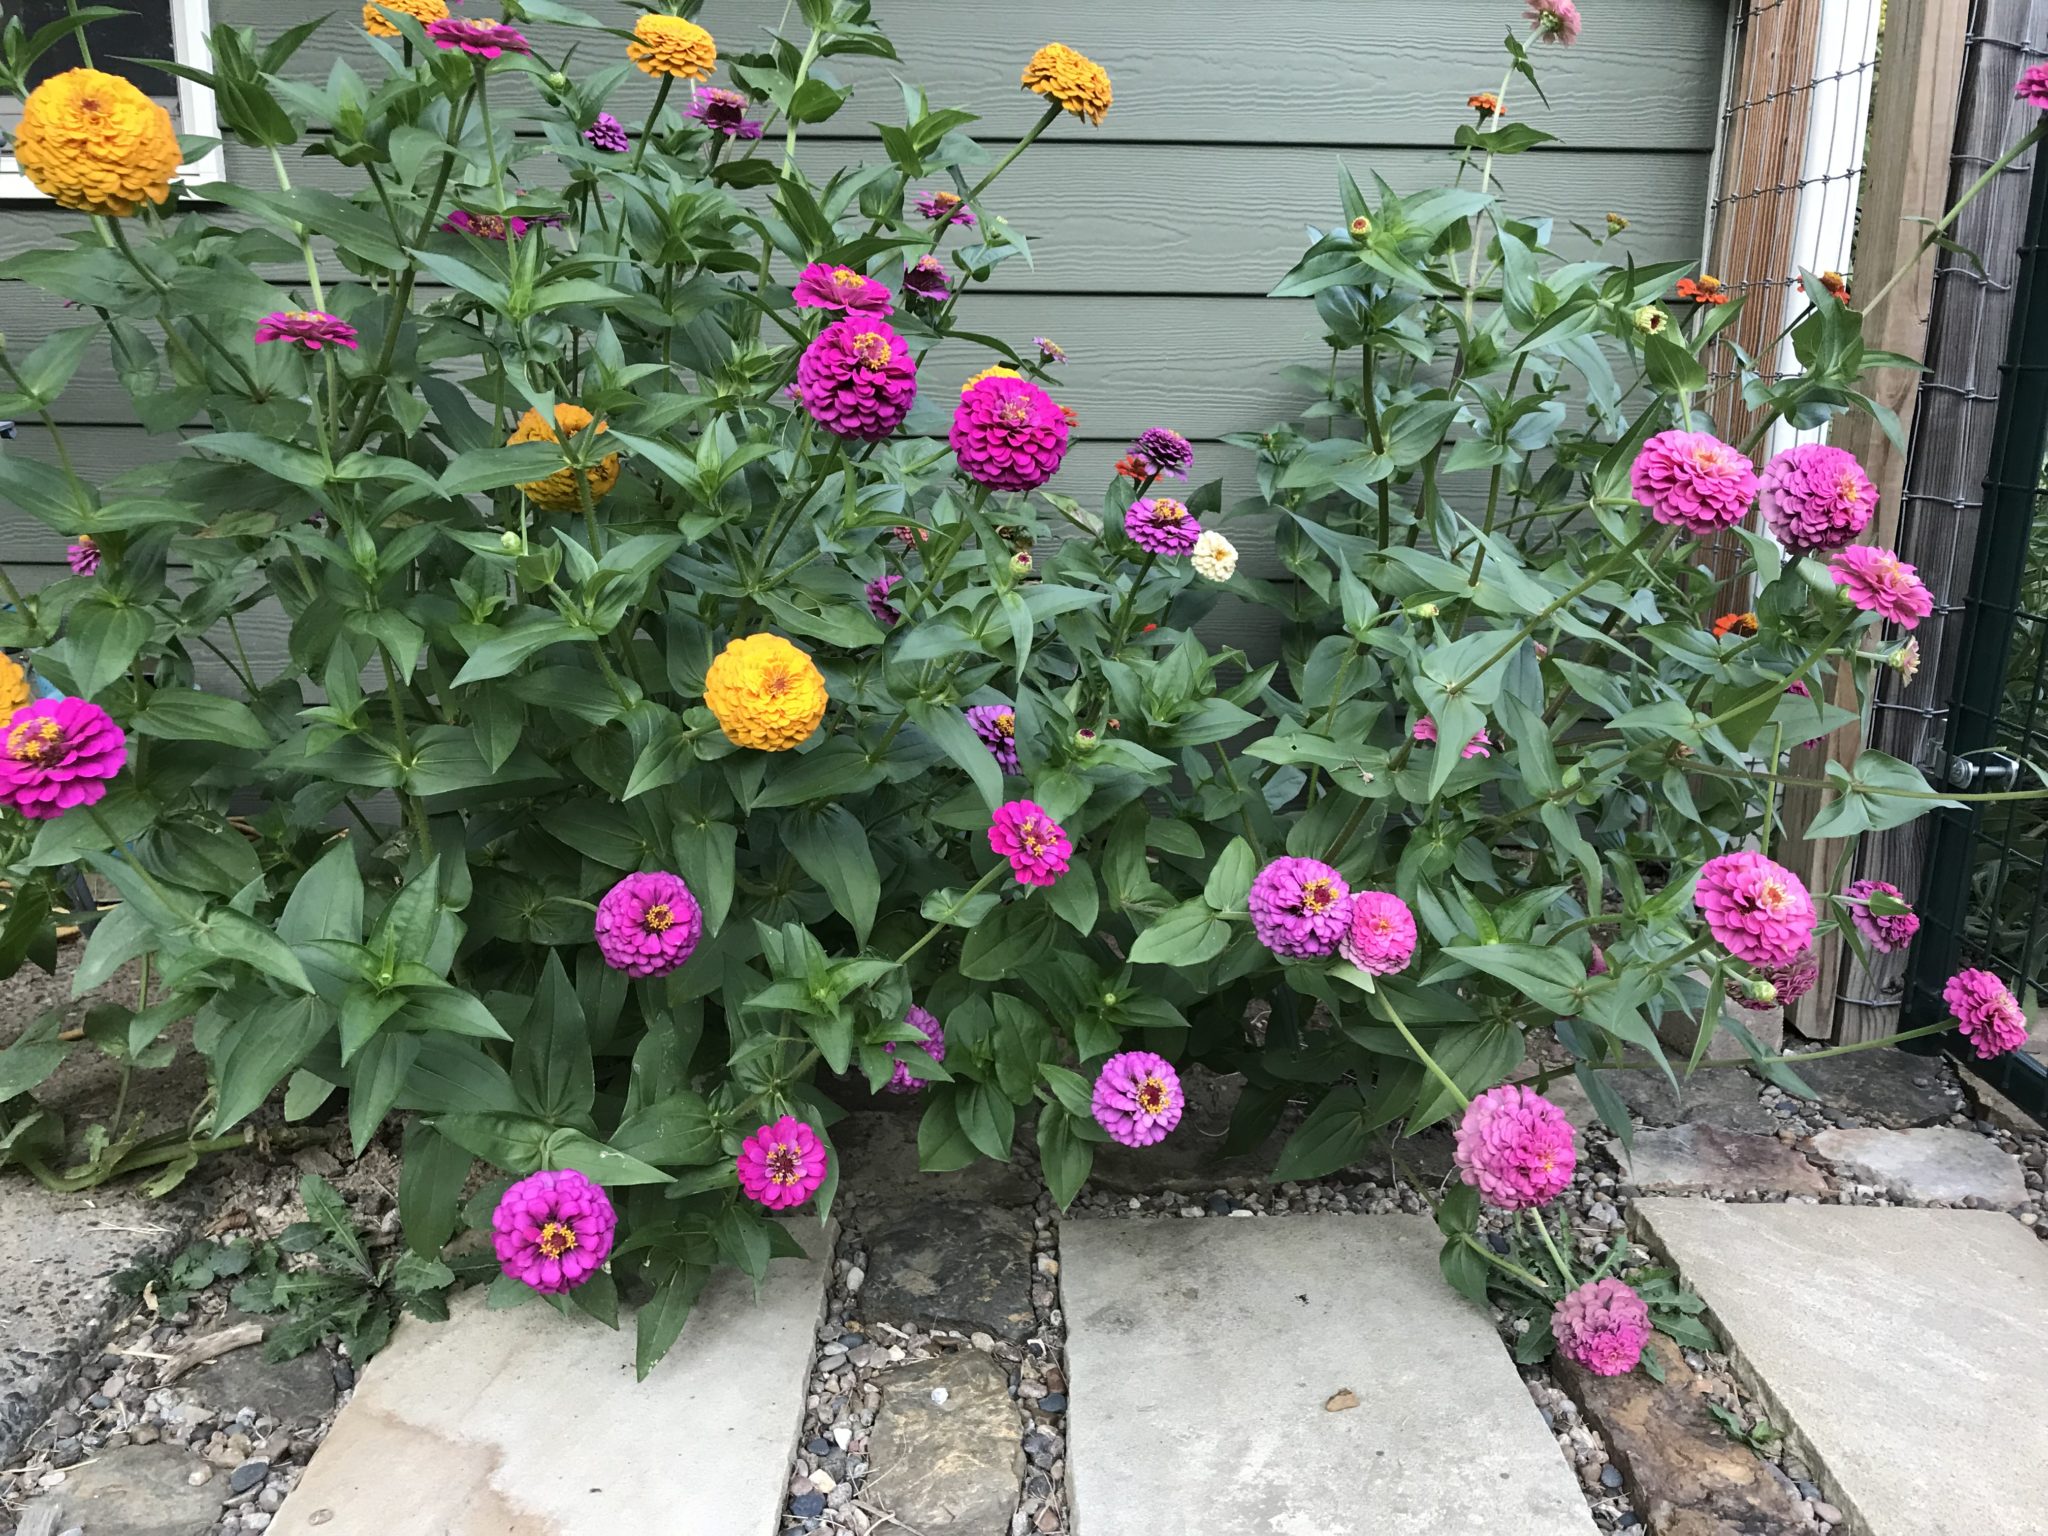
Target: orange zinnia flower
{"x":1743,"y":624}
{"x":1707,"y":290}
{"x":1485,"y":103}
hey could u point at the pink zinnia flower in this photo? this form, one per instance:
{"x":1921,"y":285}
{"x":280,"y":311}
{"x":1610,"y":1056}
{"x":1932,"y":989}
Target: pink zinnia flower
{"x":310,"y":328}
{"x":2033,"y":86}
{"x":824,"y":286}
{"x":1987,"y":1013}
{"x":553,"y":1230}
{"x":1007,"y":433}
{"x":84,"y":556}
{"x":1756,"y":910}
{"x":608,"y":134}
{"x":1036,"y":846}
{"x":1816,"y":498}
{"x":1596,"y":962}
{"x":648,"y":924}
{"x":1300,"y":908}
{"x":886,"y":613}
{"x":485,"y":39}
{"x":1789,"y":983}
{"x":1879,"y":582}
{"x":1159,"y":525}
{"x":1885,"y":932}
{"x":1049,"y":351}
{"x":1602,"y":1326}
{"x":926,"y":279}
{"x":1515,"y":1147}
{"x":1379,"y":933}
{"x":857,"y":378}
{"x":1163,"y":451}
{"x":926,"y":1023}
{"x":1693,"y":481}
{"x":996,"y":725}
{"x":726,"y":111}
{"x":485,"y":226}
{"x":56,"y":755}
{"x":1481,"y":744}
{"x":945,"y":207}
{"x":1556,"y":21}
{"x":1138,"y":1098}
{"x":782,"y":1165}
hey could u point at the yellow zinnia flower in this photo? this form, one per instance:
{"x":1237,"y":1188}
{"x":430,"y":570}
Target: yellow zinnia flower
{"x":94,"y":142}
{"x":765,"y":692}
{"x":997,"y":372}
{"x":557,"y":493}
{"x":1072,"y":79}
{"x":14,"y":690}
{"x":377,"y":24}
{"x":669,"y":45}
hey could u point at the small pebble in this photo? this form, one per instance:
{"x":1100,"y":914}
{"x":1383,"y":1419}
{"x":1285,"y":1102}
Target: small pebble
{"x":1052,"y":1402}
{"x":807,"y":1506}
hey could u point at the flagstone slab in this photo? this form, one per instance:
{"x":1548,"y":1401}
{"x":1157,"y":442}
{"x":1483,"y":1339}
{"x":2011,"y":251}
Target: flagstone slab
{"x":1201,"y":1355}
{"x":1904,"y":1350}
{"x":527,"y":1423}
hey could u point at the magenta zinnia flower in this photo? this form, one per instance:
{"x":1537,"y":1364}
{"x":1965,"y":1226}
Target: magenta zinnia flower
{"x":1885,"y":932}
{"x":996,"y":725}
{"x":1515,"y":1147}
{"x":1138,"y":1098}
{"x":553,"y":1230}
{"x":857,"y":378}
{"x":1379,"y":933}
{"x":84,"y":556}
{"x":1163,"y":451}
{"x":926,"y":1023}
{"x":485,"y":226}
{"x":726,"y":111}
{"x":1789,"y":983}
{"x":1987,"y":1013}
{"x":608,"y":133}
{"x":1879,"y":582}
{"x":56,"y":755}
{"x":886,"y":613}
{"x":1481,"y":744}
{"x":2033,"y":86}
{"x":824,"y":286}
{"x":1693,"y":481}
{"x":1008,"y":434}
{"x":782,"y":1165}
{"x":1556,"y":21}
{"x":648,"y":924}
{"x":1036,"y":846}
{"x":485,"y":39}
{"x":1816,"y":498}
{"x":1299,"y":908}
{"x":1159,"y":525}
{"x":945,"y":207}
{"x":1756,"y":910}
{"x":310,"y":328}
{"x":1603,"y":1326}
{"x":926,"y":278}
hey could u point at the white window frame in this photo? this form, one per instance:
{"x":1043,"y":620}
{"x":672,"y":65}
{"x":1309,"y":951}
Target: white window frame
{"x":196,"y":117}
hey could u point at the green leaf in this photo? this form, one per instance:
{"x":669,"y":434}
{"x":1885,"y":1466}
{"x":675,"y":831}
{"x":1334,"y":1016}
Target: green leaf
{"x":1066,"y":1158}
{"x":101,"y":642}
{"x":260,"y":1049}
{"x":380,"y":1069}
{"x":1076,"y":898}
{"x":177,"y":714}
{"x":1188,"y":935}
{"x":1335,"y":1135}
{"x":676,"y":1129}
{"x":1464,"y":1269}
{"x":951,"y":733}
{"x":1009,"y":943}
{"x":597,"y":1162}
{"x":552,"y":1070}
{"x":661,"y":1320}
{"x":1552,"y":977}
{"x":431,"y":1178}
{"x":1230,"y":879}
{"x":1671,"y":367}
{"x":833,"y":849}
{"x":513,"y":1142}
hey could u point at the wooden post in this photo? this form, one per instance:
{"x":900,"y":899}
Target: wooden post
{"x":1905,"y":180}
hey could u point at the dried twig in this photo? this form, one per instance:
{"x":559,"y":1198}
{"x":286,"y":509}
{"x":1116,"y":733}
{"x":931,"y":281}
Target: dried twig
{"x":211,"y":1347}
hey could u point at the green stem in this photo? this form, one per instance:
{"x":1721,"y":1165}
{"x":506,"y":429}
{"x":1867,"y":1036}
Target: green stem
{"x":1935,"y":231}
{"x":952,"y":912}
{"x":1415,"y":1045}
{"x":1564,"y":1270}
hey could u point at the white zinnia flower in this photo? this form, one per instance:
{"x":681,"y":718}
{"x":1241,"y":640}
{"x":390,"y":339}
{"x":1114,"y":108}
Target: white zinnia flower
{"x":1214,"y":556}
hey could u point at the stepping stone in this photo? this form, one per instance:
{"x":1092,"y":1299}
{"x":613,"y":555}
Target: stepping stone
{"x":946,"y":1453}
{"x":296,"y":1392}
{"x":140,"y":1490}
{"x":505,"y":1423}
{"x":952,"y":1264}
{"x":1201,"y":1354}
{"x":1704,"y":1157}
{"x":1905,"y":1351}
{"x":1889,"y":1087}
{"x":1940,"y":1163}
{"x":1723,"y":1097}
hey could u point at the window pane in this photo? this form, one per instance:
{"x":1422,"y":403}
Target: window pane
{"x":145,"y":33}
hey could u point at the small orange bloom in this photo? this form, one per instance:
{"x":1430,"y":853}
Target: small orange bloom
{"x":1132,"y":468}
{"x":1835,"y":284}
{"x":1706,"y":290}
{"x":1743,"y":624}
{"x":1486,"y":104}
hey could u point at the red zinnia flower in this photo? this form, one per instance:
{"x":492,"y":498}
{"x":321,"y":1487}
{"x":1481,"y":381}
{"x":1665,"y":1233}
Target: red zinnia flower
{"x":1706,"y":290}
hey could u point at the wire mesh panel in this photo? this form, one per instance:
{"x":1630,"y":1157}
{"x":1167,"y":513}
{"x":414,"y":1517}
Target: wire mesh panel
{"x":1950,"y":451}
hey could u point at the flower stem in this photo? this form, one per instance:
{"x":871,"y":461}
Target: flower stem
{"x":1415,"y":1045}
{"x":952,"y":912}
{"x":1564,"y":1270}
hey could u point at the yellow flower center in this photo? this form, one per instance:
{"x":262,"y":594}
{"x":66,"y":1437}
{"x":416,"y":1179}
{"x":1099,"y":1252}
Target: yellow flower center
{"x":1035,"y":841}
{"x":1318,"y":896}
{"x":1152,"y":1096}
{"x":1382,"y":925}
{"x":872,"y":349}
{"x":489,"y":225}
{"x":556,"y":1239}
{"x":846,"y":278}
{"x":658,"y":918}
{"x":946,"y":199}
{"x":33,"y":740}
{"x":1852,"y":490}
{"x":1167,"y":510}
{"x":1772,"y":896}
{"x":1015,"y":411}
{"x":1006,"y":723}
{"x":784,"y":1165}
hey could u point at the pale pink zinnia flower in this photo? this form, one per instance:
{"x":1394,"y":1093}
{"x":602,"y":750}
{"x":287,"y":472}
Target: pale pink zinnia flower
{"x":1987,"y":1013}
{"x":1879,"y":582}
{"x":1515,"y":1147}
{"x":1138,"y":1098}
{"x":1757,"y":910}
{"x":1693,"y":481}
{"x":1379,"y":932}
{"x":1815,"y":498}
{"x":1036,"y":846}
{"x":782,"y":1165}
{"x":1556,"y":21}
{"x":1602,"y":1326}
